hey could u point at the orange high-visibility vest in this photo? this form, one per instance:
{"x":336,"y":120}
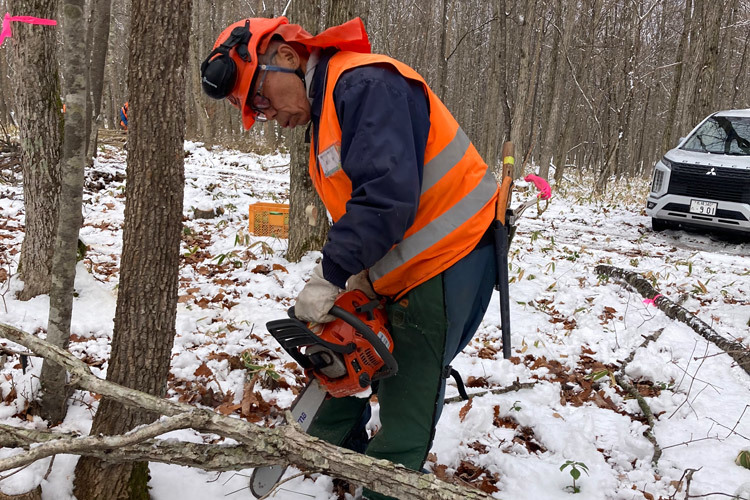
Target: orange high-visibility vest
{"x":459,"y":191}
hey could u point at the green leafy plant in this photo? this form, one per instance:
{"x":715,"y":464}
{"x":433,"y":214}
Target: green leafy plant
{"x":192,"y":251}
{"x":230,"y":256}
{"x":594,"y":376}
{"x":575,"y":473}
{"x":743,"y":459}
{"x":266,"y":374}
{"x":516,"y":406}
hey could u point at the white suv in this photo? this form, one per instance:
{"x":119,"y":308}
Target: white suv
{"x":705,"y":180}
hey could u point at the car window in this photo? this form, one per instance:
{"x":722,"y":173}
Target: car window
{"x":729,"y":135}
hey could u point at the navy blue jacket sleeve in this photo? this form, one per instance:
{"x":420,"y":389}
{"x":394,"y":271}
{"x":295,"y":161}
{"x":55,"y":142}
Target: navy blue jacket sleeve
{"x":385,"y":123}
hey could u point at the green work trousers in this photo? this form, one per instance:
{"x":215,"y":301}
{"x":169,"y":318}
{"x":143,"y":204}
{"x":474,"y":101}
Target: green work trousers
{"x":430,"y":325}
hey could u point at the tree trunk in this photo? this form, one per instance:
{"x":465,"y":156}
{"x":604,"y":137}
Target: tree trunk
{"x":147,"y":300}
{"x":53,"y":378}
{"x":99,"y":42}
{"x":706,"y":89}
{"x":304,"y":237}
{"x":551,"y":128}
{"x":669,"y":124}
{"x":40,"y":121}
{"x":523,"y":35}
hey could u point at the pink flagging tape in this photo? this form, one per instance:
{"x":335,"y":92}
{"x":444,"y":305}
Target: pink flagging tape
{"x":545,"y":192}
{"x":651,"y":302}
{"x":6,"y":31}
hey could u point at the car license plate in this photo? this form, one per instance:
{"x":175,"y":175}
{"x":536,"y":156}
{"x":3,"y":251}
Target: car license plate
{"x":703,"y":207}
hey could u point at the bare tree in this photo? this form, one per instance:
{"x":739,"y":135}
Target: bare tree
{"x":53,"y":378}
{"x":146,"y":303}
{"x":97,"y":43}
{"x":39,"y":117}
{"x":308,"y":222}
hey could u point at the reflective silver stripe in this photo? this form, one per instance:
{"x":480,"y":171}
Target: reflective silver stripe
{"x":436,"y":230}
{"x":435,"y":169}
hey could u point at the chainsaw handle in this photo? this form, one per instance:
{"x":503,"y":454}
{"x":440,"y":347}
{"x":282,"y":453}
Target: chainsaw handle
{"x":391,"y":366}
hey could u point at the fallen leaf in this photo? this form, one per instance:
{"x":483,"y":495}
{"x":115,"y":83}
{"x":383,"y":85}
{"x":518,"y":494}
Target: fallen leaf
{"x":261,"y":269}
{"x":203,"y":371}
{"x":464,"y":410}
{"x":440,"y":471}
{"x":228,"y":408}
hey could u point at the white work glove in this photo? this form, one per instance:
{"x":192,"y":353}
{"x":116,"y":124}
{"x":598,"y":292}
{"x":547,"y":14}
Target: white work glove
{"x":361,"y":281}
{"x":316,"y":298}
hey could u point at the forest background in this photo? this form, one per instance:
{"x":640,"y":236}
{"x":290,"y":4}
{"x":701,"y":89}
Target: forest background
{"x":598,"y":85}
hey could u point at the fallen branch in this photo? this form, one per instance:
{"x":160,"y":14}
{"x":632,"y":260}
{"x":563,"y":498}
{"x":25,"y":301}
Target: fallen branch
{"x":257,"y":445}
{"x":623,"y":382}
{"x":735,"y":350}
{"x":515,"y":386}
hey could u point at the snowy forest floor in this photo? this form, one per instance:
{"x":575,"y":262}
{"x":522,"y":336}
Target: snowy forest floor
{"x":571,"y":333}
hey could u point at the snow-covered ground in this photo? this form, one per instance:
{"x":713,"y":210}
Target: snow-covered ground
{"x":571,"y":332}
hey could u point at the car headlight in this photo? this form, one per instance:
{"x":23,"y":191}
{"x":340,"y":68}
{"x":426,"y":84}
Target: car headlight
{"x":658,"y":183}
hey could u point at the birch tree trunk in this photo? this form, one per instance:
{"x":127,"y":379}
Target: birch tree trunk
{"x":53,"y":378}
{"x":38,"y":107}
{"x":147,"y":300}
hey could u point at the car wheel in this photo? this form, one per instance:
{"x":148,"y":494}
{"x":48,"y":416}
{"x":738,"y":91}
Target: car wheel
{"x":660,"y":224}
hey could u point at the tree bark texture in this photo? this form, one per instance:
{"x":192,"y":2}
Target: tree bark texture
{"x":53,"y":378}
{"x":99,"y":23}
{"x":303,"y":236}
{"x":38,"y":114}
{"x":680,"y":63}
{"x":146,"y":304}
{"x":735,"y":350}
{"x":285,"y":444}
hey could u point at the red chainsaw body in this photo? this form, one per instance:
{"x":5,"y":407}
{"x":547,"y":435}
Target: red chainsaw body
{"x":354,"y":371}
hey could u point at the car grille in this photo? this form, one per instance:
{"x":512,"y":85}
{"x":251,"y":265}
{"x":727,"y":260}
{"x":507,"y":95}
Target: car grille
{"x":729,"y":184}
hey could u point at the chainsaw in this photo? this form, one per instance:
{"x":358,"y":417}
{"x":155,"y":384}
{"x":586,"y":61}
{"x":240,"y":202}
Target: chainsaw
{"x":340,"y":358}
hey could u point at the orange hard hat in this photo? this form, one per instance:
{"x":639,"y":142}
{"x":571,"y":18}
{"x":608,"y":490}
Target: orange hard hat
{"x":230,"y":69}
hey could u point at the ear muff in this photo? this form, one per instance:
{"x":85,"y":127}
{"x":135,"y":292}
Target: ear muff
{"x":218,"y":70}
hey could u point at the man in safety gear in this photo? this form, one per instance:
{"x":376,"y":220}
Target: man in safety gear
{"x":411,"y":201}
{"x":124,"y":116}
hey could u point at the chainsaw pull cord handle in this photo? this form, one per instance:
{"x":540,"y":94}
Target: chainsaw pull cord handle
{"x":391,"y":366}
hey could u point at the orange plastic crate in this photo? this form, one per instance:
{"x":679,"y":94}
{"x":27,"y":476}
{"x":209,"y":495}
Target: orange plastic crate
{"x":269,"y":219}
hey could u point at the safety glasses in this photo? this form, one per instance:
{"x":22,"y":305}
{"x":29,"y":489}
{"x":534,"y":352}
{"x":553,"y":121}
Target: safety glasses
{"x":260,"y":103}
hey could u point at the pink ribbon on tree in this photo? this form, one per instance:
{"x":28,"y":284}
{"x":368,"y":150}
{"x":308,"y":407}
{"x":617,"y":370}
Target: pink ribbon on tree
{"x":6,"y":32}
{"x":652,"y":302}
{"x":545,"y":192}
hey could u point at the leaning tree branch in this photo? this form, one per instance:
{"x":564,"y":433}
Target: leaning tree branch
{"x":74,"y":445}
{"x":736,"y":350}
{"x":212,"y":457}
{"x":285,"y":444}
